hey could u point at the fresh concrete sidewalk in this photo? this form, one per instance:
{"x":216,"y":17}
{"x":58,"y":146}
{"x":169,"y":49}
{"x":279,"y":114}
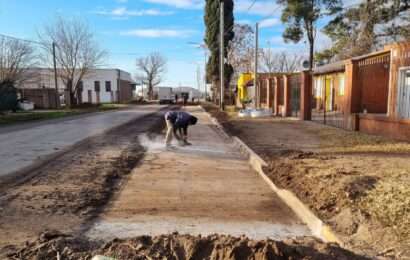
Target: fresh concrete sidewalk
{"x":201,"y":189}
{"x":22,"y":148}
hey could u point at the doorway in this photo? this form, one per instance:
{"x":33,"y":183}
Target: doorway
{"x":404,"y":93}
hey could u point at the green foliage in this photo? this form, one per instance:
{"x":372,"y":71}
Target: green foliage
{"x":360,"y":28}
{"x":8,"y":96}
{"x":300,"y":18}
{"x":212,"y":37}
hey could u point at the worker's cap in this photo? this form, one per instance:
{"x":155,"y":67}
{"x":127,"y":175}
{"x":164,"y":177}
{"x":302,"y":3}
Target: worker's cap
{"x":193,"y":120}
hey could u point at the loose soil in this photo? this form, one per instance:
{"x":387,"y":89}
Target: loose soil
{"x":69,"y":191}
{"x":359,"y":184}
{"x":52,"y":245}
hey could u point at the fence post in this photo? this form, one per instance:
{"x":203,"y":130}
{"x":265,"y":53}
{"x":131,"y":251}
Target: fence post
{"x":352,"y":94}
{"x":286,"y":96}
{"x":269,"y":93}
{"x":306,"y":96}
{"x":275,"y":96}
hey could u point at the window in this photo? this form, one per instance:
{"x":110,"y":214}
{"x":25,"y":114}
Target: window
{"x":108,"y":86}
{"x":80,"y":85}
{"x":342,"y":85}
{"x":96,"y":86}
{"x":318,"y":87}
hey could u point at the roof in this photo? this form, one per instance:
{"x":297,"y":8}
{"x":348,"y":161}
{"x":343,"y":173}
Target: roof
{"x":329,"y":68}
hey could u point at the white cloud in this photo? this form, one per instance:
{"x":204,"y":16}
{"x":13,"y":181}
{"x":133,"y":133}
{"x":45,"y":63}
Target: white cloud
{"x":269,"y":22}
{"x":121,"y":1}
{"x":158,"y":33}
{"x":185,"y":4}
{"x":124,"y":12}
{"x":262,"y":7}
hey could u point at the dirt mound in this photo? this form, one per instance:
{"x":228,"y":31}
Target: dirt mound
{"x":51,"y":245}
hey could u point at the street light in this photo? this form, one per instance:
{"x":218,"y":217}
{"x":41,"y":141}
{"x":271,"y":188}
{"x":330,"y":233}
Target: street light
{"x":205,"y":48}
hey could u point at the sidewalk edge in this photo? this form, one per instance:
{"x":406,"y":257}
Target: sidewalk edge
{"x":315,"y":224}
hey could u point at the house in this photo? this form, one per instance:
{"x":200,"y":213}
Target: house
{"x":369,"y":93}
{"x":97,"y":86}
{"x":328,"y":95}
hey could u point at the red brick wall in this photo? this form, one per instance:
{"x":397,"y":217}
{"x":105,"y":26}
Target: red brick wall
{"x":373,"y":80}
{"x":384,"y":126}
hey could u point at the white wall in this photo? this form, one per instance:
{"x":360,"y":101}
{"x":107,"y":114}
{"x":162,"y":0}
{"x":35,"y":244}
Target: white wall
{"x":45,"y":78}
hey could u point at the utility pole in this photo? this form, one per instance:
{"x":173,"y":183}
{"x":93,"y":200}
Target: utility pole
{"x":255,"y":78}
{"x":206,"y":60}
{"x":221,"y":53}
{"x":55,"y":74}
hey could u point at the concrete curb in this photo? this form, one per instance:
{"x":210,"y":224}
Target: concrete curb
{"x":316,"y":225}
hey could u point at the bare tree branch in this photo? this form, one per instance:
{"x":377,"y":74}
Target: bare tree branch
{"x":241,"y":50}
{"x":281,"y":62}
{"x":16,"y":57}
{"x":152,"y":68}
{"x":77,"y":52}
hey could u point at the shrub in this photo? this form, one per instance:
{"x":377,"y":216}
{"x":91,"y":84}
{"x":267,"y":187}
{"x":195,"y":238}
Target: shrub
{"x":8,"y":96}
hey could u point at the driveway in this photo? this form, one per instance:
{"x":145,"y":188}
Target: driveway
{"x":33,"y":143}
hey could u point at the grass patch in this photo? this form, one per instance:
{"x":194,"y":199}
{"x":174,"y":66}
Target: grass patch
{"x":27,"y":116}
{"x":389,"y":202}
{"x":334,"y":140}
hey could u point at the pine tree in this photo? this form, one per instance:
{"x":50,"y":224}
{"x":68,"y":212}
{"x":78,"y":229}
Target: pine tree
{"x":212,"y":41}
{"x":365,"y":27}
{"x":300,"y":18}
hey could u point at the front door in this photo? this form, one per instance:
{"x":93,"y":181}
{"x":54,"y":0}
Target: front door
{"x":404,"y":94}
{"x":90,"y":96}
{"x":97,"y":94}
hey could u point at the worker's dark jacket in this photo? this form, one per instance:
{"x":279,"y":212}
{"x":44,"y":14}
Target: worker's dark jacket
{"x":179,"y":120}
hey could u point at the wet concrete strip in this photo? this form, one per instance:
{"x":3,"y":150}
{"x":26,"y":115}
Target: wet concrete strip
{"x":201,"y":189}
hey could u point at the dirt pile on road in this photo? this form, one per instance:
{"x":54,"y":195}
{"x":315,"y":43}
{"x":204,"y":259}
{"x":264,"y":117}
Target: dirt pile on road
{"x":52,"y":244}
{"x":69,"y":191}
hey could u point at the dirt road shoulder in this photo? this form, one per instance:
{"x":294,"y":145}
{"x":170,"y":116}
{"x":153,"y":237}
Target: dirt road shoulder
{"x":68,"y":192}
{"x":358,"y":184}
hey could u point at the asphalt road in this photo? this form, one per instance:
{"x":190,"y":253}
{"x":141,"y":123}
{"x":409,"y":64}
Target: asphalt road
{"x":33,"y":143}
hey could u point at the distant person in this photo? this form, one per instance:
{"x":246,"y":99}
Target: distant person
{"x":177,"y":125}
{"x":176,"y":98}
{"x":185,"y":99}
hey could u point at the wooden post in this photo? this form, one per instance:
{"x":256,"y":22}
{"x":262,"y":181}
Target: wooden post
{"x":286,"y":96}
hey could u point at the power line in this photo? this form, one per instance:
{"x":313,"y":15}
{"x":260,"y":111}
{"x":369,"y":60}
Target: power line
{"x":20,"y":39}
{"x":250,"y":7}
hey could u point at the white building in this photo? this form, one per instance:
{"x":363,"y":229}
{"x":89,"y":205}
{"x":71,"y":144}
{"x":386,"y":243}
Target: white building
{"x":98,"y":86}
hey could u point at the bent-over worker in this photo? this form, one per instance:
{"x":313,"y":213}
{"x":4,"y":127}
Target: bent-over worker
{"x":177,"y":125}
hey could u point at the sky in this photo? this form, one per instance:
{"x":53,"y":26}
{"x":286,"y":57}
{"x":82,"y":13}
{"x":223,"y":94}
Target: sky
{"x":128,"y":29}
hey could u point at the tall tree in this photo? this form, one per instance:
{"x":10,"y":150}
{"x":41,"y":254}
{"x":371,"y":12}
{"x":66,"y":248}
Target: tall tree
{"x":367,"y":26}
{"x":241,"y":49}
{"x":77,"y":52}
{"x":211,"y":18}
{"x":300,"y":18}
{"x":152,"y":69}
